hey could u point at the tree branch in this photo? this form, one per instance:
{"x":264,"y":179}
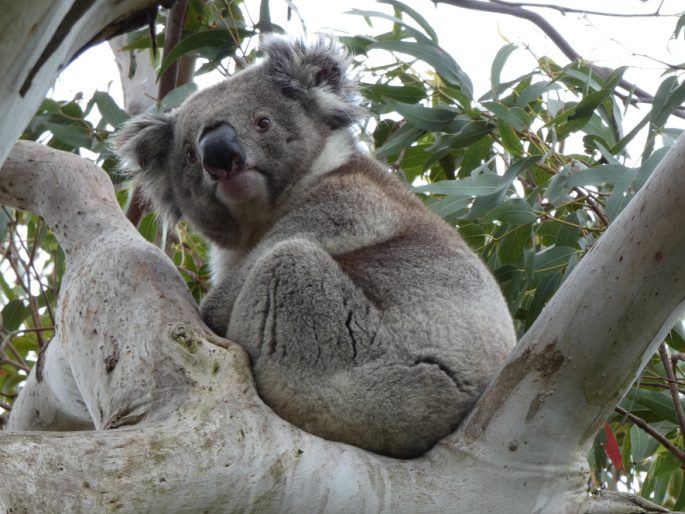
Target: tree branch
{"x":570,"y":10}
{"x":639,"y":422}
{"x":673,"y":387}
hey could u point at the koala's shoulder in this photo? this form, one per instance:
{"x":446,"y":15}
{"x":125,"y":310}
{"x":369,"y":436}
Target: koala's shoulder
{"x":363,"y":181}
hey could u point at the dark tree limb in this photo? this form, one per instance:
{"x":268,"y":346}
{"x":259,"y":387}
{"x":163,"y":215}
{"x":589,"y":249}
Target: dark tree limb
{"x":571,"y":10}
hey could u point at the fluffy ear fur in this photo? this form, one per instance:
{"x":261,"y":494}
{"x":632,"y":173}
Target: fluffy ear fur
{"x":316,"y":75}
{"x":143,"y":146}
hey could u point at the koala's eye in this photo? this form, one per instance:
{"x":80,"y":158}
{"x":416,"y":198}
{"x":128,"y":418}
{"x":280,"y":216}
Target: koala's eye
{"x":190,"y":154}
{"x":263,"y":123}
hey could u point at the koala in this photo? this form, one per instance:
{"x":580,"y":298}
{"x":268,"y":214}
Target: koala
{"x":368,"y":320}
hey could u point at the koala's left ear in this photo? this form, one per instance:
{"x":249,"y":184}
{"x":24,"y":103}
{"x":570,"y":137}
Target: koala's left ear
{"x":314,"y":72}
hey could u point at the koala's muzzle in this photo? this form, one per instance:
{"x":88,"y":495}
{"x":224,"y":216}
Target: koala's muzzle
{"x":220,"y":153}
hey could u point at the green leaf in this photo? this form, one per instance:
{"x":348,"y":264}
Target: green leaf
{"x":405,"y":94}
{"x":413,"y":15}
{"x":429,"y":119}
{"x":76,"y":136}
{"x":510,"y":139}
{"x":471,"y":132}
{"x":676,"y":337}
{"x":14,"y":314}
{"x":439,"y":59}
{"x":219,"y":38}
{"x":642,"y":445}
{"x":512,"y":212}
{"x":407,"y":30}
{"x":450,"y":205}
{"x":516,"y":117}
{"x":668,"y":97}
{"x":512,"y":247}
{"x":543,"y":292}
{"x":401,"y":139}
{"x":497,"y":65}
{"x":680,"y":501}
{"x":679,"y":26}
{"x":177,"y":96}
{"x":666,"y":465}
{"x":148,"y":227}
{"x":110,"y":111}
{"x":465,"y":187}
{"x":659,"y":404}
{"x":553,"y":259}
{"x":534,"y":91}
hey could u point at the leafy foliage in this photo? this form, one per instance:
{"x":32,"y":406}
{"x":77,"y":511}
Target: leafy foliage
{"x":531,"y":174}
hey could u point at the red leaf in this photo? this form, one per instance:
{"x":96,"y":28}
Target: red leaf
{"x":611,"y":448}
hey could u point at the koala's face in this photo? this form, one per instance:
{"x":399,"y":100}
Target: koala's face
{"x":231,"y":151}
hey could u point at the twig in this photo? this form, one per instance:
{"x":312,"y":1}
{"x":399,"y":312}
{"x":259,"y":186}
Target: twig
{"x":14,"y":364}
{"x":675,"y":451}
{"x":570,"y":10}
{"x":675,"y":394}
{"x":594,"y":206}
{"x":556,"y":37}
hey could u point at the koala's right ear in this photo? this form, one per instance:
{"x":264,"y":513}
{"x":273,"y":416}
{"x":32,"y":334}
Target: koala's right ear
{"x":143,"y":146}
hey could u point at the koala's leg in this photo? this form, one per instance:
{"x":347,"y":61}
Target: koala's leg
{"x":296,"y":307}
{"x":324,"y":360}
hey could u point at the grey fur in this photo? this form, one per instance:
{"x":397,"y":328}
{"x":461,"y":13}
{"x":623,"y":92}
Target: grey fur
{"x":367,"y":318}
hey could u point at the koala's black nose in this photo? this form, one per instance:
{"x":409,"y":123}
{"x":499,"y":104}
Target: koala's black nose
{"x":220,"y":152}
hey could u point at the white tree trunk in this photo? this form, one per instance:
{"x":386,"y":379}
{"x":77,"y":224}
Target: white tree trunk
{"x":179,"y":426}
{"x":37,"y":39}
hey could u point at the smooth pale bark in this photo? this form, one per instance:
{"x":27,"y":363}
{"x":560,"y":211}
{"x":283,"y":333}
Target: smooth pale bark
{"x":180,"y":427}
{"x":37,"y":39}
{"x":140,"y":90}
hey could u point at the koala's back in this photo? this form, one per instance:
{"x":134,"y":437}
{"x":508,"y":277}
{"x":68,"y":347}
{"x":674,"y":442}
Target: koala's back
{"x":371,"y":321}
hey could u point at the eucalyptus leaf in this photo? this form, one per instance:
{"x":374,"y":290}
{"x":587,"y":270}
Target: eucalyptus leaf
{"x":515,"y":211}
{"x":177,"y":96}
{"x":111,"y":112}
{"x":497,"y":65}
{"x":14,"y":313}
{"x":428,"y":119}
{"x":443,"y":62}
{"x":218,"y":38}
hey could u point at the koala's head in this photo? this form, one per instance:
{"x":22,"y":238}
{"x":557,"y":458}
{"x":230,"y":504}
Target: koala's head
{"x":230,"y":152}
